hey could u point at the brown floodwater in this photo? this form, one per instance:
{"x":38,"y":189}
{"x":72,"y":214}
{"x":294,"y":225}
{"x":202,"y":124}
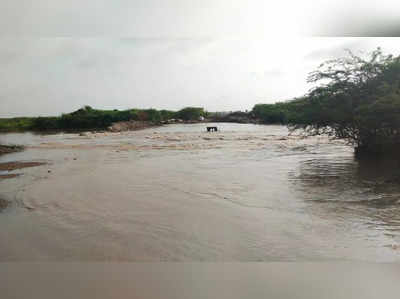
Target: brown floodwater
{"x":178,"y":193}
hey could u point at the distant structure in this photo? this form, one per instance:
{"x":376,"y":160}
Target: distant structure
{"x":212,"y":129}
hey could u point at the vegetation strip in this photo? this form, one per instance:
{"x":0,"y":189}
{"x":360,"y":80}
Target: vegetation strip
{"x":88,"y":118}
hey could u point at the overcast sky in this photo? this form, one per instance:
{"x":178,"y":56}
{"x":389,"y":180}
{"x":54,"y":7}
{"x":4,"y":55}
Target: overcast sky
{"x":56,"y":56}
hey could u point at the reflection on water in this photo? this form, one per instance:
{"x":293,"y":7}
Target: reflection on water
{"x":178,"y":193}
{"x":345,"y":179}
{"x":359,"y":194}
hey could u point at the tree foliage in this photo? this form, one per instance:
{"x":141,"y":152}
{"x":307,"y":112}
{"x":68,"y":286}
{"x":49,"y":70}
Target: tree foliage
{"x":356,"y":99}
{"x":271,"y":113}
{"x":190,"y":113}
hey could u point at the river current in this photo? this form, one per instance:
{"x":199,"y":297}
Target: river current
{"x":178,"y":193}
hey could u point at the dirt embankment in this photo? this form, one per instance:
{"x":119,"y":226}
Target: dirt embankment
{"x":9,"y":175}
{"x":7,"y":149}
{"x":235,"y":117}
{"x":3,"y":204}
{"x":130,"y":125}
{"x":134,"y":125}
{"x":9,"y":166}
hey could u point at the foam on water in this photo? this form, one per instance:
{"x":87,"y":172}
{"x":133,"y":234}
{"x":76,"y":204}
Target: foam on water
{"x":178,"y":193}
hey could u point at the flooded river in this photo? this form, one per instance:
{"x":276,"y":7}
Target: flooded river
{"x":178,"y":193}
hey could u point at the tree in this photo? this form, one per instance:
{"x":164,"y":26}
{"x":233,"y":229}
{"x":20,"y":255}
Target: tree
{"x":355,"y":99}
{"x":190,"y":113}
{"x":271,"y":113}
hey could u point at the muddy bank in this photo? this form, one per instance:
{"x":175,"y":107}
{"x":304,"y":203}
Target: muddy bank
{"x":134,"y":125}
{"x":7,"y":149}
{"x":130,"y":126}
{"x":9,"y":176}
{"x":9,"y":166}
{"x":3,"y":204}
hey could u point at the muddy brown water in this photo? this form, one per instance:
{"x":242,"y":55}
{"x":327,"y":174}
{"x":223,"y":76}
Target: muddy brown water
{"x":178,"y":193}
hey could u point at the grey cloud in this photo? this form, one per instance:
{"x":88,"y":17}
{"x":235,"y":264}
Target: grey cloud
{"x":138,"y":18}
{"x":336,"y":51}
{"x":267,"y":74}
{"x":369,"y":25}
{"x":273,"y":72}
{"x":189,"y":18}
{"x":49,"y":76}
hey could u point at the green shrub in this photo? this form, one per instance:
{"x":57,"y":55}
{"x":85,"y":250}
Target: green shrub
{"x":190,"y":113}
{"x":357,"y":100}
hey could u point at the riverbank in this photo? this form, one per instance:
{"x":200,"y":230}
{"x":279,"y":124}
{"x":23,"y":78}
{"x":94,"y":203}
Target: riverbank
{"x":119,"y":126}
{"x":10,"y":166}
{"x":7,"y":149}
{"x":134,"y":125}
{"x":3,"y":204}
{"x":6,"y":167}
{"x":88,"y":118}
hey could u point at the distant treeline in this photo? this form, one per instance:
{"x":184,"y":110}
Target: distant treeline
{"x":278,"y":113}
{"x":88,"y":118}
